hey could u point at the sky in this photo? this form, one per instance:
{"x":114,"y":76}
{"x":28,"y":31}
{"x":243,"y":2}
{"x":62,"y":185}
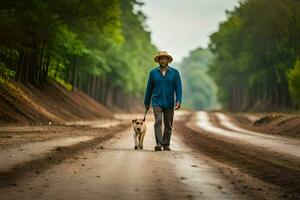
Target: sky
{"x":180,"y":26}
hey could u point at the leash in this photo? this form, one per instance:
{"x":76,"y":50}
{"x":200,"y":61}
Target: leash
{"x":145,"y":115}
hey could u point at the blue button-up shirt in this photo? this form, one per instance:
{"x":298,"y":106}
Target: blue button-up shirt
{"x":162,"y":89}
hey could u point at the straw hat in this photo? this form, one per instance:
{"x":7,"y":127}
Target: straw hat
{"x":163,"y":54}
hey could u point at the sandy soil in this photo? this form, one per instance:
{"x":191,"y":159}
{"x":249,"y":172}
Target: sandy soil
{"x":280,"y":144}
{"x":275,"y":166}
{"x":93,"y":163}
{"x":49,"y":103}
{"x":282,"y":124}
{"x":14,"y":136}
{"x":24,"y":152}
{"x":114,"y":170}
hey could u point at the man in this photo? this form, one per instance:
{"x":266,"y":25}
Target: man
{"x":163,"y":83}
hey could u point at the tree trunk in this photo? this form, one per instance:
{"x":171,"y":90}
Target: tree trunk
{"x":74,"y":73}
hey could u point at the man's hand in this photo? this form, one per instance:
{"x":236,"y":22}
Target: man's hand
{"x":177,"y":106}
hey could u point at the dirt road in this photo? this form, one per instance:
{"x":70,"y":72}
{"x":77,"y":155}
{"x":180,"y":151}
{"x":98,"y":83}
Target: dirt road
{"x":112,"y":169}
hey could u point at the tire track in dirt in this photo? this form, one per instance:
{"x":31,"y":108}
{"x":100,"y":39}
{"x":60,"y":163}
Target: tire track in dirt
{"x":118,"y":171}
{"x":272,"y":156}
{"x":56,"y":156}
{"x":249,"y":159}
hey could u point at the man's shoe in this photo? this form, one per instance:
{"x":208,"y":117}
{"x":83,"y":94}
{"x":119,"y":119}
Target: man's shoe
{"x":157,"y":148}
{"x":167,"y":148}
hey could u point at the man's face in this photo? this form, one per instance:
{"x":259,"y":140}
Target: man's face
{"x":163,"y":61}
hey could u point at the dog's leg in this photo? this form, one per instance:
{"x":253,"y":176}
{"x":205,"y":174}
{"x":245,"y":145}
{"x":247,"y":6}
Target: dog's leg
{"x":135,"y":141}
{"x":141,"y":142}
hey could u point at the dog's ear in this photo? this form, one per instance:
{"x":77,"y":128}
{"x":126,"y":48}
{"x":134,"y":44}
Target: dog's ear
{"x":134,"y":120}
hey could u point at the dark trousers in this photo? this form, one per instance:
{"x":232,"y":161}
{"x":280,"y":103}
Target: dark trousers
{"x":167,"y":115}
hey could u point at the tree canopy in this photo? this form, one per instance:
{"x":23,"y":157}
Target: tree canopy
{"x":98,"y":46}
{"x":257,"y":54}
{"x":199,"y":89}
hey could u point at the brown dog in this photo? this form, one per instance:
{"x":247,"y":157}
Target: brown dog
{"x":139,"y":127}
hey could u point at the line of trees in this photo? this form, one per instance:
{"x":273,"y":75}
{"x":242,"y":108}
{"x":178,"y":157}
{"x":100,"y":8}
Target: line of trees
{"x":257,"y":53}
{"x":198,"y":87}
{"x":98,"y":46}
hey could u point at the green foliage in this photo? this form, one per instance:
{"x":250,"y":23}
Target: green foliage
{"x":68,"y":86}
{"x":199,"y":89}
{"x":82,"y":43}
{"x":254,"y":49}
{"x":294,"y":83}
{"x":4,"y":82}
{"x":137,"y":52}
{"x":7,"y":73}
{"x":120,"y":51}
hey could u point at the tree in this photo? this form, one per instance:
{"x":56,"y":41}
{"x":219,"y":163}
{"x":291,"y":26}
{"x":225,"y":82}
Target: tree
{"x":98,"y":46}
{"x":254,"y":49}
{"x":198,"y":87}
